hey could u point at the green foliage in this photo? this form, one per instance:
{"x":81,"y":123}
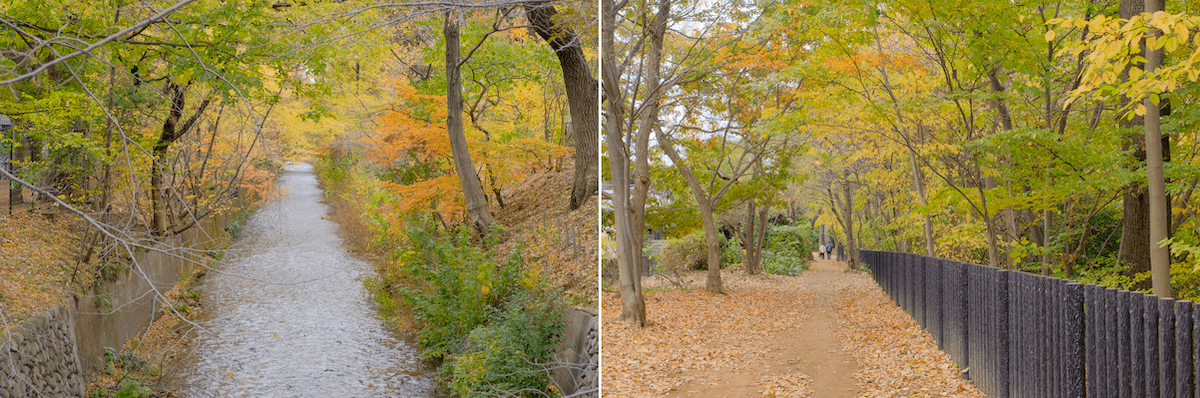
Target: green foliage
{"x":128,"y":388}
{"x":1185,"y":282}
{"x":731,"y":252}
{"x":789,"y":249}
{"x":796,"y":241}
{"x":503,"y":356}
{"x":781,"y":264}
{"x":691,"y":252}
{"x":688,"y":252}
{"x":492,"y":326}
{"x":464,"y":285}
{"x":1104,"y":271}
{"x":130,"y":370}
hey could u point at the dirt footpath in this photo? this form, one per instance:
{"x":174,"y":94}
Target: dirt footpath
{"x":774,"y":336}
{"x":808,"y":354}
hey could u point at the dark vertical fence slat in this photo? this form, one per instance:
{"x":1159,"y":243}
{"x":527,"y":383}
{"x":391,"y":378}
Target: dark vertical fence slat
{"x":922,"y":288}
{"x":1124,"y":373}
{"x":1056,"y":307}
{"x":1015,"y":319}
{"x":1043,"y":376}
{"x":975,"y":337}
{"x":1150,"y":334}
{"x":1060,"y":345}
{"x":1023,"y":335}
{"x":1166,"y":347}
{"x":1091,"y":298}
{"x":1002,"y":352}
{"x":908,"y":282}
{"x":1137,"y":345}
{"x":1196,"y":346}
{"x":934,"y":270}
{"x":1185,"y":384}
{"x":1074,"y":332}
{"x":1111,"y":342}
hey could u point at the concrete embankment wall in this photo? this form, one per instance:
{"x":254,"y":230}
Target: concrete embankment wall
{"x":55,"y":353}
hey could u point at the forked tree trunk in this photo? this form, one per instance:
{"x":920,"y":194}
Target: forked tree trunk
{"x":647,"y":123}
{"x":476,"y":201}
{"x":754,"y":235}
{"x":633,"y":305}
{"x":171,"y":132}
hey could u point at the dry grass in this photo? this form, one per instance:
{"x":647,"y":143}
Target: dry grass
{"x":562,"y":245}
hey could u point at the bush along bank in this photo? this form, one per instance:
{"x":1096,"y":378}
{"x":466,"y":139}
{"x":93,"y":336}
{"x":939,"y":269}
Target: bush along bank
{"x":485,"y":317}
{"x":491,"y":323}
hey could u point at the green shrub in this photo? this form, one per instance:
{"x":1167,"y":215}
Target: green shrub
{"x":794,"y":241}
{"x":731,"y":252}
{"x":487,"y":322}
{"x":504,"y":356}
{"x":463,"y":285}
{"x":688,"y":252}
{"x":783,"y":264}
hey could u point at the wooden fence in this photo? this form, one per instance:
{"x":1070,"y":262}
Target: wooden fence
{"x":1024,"y":335}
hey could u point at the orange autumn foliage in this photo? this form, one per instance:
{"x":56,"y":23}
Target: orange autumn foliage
{"x":441,"y":195}
{"x":865,"y":63}
{"x":412,"y":136}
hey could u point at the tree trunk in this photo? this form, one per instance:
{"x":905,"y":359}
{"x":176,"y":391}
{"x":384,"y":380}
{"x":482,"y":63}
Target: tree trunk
{"x":1135,"y":233}
{"x":649,"y":118}
{"x":581,"y":97}
{"x":1006,"y":124}
{"x":633,"y":304}
{"x":918,"y":176}
{"x":171,"y":132}
{"x":713,"y":281}
{"x":851,"y":242}
{"x":753,"y":236}
{"x":705,"y":204}
{"x":1160,"y":257}
{"x":476,"y":202}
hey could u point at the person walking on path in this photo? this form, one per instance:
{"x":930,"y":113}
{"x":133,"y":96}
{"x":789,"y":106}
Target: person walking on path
{"x":821,"y":250}
{"x":829,"y":249}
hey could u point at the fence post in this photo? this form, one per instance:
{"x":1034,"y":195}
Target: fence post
{"x":1196,"y":346}
{"x":1137,"y":345}
{"x":1091,"y":344}
{"x":1150,"y":332}
{"x":1003,"y":378}
{"x":1074,"y":333}
{"x":1125,"y":368}
{"x":1185,"y":385}
{"x":1166,"y":347}
{"x":919,"y":290}
{"x":1110,"y":342}
{"x":934,"y":266}
{"x":963,"y":318}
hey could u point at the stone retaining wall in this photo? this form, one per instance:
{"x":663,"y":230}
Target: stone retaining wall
{"x":55,"y":354}
{"x":40,"y":358}
{"x":578,"y":363}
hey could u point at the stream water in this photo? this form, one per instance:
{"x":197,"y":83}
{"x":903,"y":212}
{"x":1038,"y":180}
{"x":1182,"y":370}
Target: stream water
{"x":286,"y":315}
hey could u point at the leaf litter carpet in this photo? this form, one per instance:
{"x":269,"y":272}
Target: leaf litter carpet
{"x":825,"y":333}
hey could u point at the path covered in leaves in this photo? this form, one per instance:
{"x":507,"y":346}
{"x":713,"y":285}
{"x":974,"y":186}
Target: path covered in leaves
{"x":825,"y":333}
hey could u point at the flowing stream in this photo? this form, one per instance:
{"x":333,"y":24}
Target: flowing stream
{"x":286,"y":315}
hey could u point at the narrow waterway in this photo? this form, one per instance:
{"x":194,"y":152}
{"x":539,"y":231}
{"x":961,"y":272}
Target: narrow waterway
{"x":286,"y":316}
